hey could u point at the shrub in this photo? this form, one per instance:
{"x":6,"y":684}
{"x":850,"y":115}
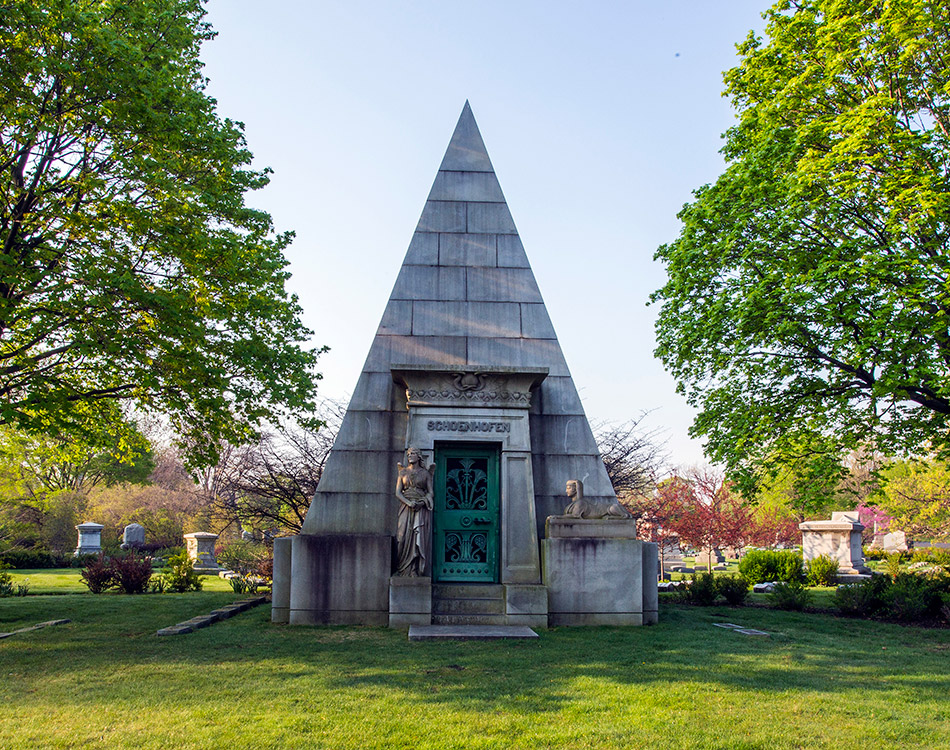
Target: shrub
{"x":131,"y":573}
{"x":701,"y":589}
{"x":80,"y":561}
{"x":893,"y":565}
{"x":760,"y":565}
{"x":29,"y":558}
{"x":790,"y":595}
{"x":862,"y":598}
{"x":181,"y":575}
{"x":934,"y":555}
{"x":243,"y":584}
{"x":944,"y":607}
{"x":97,"y":574}
{"x":734,"y":589}
{"x":908,"y":597}
{"x":821,"y":571}
{"x":7,"y":587}
{"x":265,"y":568}
{"x":874,"y":553}
{"x":242,"y":557}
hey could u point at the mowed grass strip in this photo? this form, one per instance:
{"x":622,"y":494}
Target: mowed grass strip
{"x":105,"y":680}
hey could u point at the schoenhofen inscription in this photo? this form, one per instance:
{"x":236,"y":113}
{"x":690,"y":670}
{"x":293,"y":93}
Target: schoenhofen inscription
{"x":453,"y":425}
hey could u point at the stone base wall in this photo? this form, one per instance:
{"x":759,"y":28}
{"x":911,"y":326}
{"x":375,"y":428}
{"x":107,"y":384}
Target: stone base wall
{"x":338,"y":579}
{"x":598,"y":573}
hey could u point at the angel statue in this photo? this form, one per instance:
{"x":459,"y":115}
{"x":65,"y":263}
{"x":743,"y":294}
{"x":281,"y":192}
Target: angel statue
{"x":414,"y":527}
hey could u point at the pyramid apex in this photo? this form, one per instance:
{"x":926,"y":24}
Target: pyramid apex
{"x":466,"y":151}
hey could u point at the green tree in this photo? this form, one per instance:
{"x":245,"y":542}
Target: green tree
{"x":45,"y":482}
{"x":806,"y":309}
{"x":131,"y":268}
{"x":916,"y":494}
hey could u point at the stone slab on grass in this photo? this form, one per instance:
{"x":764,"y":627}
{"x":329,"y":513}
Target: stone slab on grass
{"x":739,"y":628}
{"x":203,"y":621}
{"x":468,"y":632}
{"x":38,"y":626}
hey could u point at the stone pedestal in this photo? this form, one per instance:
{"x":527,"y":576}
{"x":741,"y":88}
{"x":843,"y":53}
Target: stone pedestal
{"x":595,"y":572}
{"x":200,"y":548}
{"x":839,"y":539}
{"x":410,"y":601}
{"x":90,"y":538}
{"x":340,"y":579}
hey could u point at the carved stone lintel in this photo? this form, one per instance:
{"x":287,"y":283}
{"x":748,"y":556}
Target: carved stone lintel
{"x":496,"y":387}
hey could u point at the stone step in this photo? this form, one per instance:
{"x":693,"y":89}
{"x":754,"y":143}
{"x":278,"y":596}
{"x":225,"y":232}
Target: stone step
{"x":467,"y":632}
{"x":468,"y":591}
{"x":469,"y":619}
{"x":468,"y":606}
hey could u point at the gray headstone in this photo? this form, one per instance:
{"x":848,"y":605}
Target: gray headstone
{"x":133,"y":536}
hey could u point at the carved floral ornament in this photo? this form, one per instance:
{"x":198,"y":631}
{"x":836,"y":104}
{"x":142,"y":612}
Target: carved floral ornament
{"x":506,"y":388}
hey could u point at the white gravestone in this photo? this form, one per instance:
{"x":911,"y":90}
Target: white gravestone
{"x":90,"y":538}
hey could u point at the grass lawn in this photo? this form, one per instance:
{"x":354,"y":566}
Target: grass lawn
{"x":106,"y":681}
{"x":67,"y":581}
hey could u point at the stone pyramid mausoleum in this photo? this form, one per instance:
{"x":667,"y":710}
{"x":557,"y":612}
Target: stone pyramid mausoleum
{"x":466,"y":367}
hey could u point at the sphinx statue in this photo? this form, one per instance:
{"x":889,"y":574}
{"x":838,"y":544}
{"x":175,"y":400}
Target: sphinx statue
{"x":581,"y":507}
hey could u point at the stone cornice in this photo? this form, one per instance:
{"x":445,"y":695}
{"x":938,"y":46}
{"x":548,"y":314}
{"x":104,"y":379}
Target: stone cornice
{"x":469,"y":386}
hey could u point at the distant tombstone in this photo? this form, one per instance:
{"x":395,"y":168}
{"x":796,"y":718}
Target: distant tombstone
{"x":671,"y":554}
{"x":896,"y":541}
{"x":708,"y":557}
{"x":200,"y":548}
{"x":133,"y":536}
{"x":839,"y":539}
{"x":90,"y":538}
{"x":247,"y":536}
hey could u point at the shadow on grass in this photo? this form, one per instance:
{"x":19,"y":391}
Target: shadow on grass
{"x":111,"y":641}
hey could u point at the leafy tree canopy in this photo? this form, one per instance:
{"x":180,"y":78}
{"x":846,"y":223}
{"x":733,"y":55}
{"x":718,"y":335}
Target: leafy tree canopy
{"x":807,"y":302}
{"x":916,"y":494}
{"x":131,"y":268}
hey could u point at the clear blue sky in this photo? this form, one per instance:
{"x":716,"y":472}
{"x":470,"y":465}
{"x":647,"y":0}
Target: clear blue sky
{"x":600,"y":118}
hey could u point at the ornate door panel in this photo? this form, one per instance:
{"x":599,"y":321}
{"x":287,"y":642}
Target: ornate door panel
{"x":466,"y":513}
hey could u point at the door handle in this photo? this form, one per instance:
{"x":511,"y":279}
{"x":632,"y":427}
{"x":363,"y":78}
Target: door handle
{"x":482,"y":521}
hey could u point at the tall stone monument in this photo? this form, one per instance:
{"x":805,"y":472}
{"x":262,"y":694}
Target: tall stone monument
{"x":466,"y":371}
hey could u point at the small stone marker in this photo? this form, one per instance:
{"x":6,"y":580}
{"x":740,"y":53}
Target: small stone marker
{"x":763,"y":588}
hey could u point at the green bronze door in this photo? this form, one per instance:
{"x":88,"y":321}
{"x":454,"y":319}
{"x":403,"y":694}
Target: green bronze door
{"x":466,"y":513}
